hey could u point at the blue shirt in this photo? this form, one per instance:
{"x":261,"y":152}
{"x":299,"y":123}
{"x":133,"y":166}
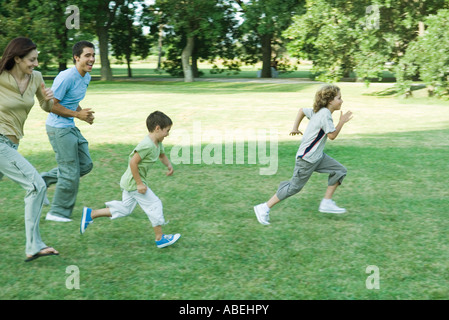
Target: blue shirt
{"x":69,"y":87}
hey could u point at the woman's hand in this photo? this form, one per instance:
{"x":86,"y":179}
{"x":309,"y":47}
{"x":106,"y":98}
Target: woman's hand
{"x":46,"y":92}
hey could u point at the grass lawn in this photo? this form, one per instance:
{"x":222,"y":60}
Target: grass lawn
{"x":148,"y":69}
{"x":395,"y":150}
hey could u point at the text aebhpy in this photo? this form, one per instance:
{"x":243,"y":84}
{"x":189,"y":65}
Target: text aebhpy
{"x":228,"y":309}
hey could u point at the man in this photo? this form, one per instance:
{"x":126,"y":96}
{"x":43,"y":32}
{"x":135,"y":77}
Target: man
{"x":71,"y":148}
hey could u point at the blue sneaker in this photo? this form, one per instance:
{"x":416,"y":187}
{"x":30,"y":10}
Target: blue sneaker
{"x":86,"y":219}
{"x":167,"y":240}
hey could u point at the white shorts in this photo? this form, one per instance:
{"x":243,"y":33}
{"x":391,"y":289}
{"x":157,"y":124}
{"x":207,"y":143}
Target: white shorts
{"x":149,"y":203}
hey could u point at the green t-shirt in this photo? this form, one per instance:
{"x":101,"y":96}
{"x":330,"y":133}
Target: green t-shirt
{"x":149,"y":153}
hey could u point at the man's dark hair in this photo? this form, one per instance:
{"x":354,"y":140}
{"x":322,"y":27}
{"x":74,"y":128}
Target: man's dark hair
{"x":78,"y":48}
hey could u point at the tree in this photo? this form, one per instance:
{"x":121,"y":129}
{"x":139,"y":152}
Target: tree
{"x":44,"y":21}
{"x":127,"y":38}
{"x":193,"y":29}
{"x":100,"y":16}
{"x":55,"y":33}
{"x":15,"y":20}
{"x":105,"y":12}
{"x":264,"y":21}
{"x":326,"y":34}
{"x":344,"y":36}
{"x":427,"y":56}
{"x":397,"y":27}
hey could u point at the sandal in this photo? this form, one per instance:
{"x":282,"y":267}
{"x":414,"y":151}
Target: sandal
{"x":40,"y":254}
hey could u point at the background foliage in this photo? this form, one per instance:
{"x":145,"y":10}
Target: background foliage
{"x":359,"y":39}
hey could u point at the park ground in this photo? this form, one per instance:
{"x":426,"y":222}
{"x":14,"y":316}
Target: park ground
{"x":395,"y":150}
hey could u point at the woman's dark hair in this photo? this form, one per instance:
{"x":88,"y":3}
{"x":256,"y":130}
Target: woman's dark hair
{"x":18,"y":47}
{"x":78,"y":48}
{"x":158,"y":118}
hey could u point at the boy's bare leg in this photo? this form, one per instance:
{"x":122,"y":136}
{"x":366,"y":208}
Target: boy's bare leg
{"x":105,"y":212}
{"x":158,"y":232}
{"x":330,"y":191}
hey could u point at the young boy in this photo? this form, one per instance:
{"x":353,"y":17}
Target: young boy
{"x":310,"y":156}
{"x":135,"y":181}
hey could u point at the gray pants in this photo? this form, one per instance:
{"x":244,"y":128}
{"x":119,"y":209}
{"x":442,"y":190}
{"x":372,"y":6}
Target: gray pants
{"x":73,"y":159}
{"x":303,"y":170}
{"x":14,"y":166}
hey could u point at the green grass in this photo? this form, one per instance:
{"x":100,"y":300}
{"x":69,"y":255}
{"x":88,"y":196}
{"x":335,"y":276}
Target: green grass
{"x":148,"y":69}
{"x":395,"y":151}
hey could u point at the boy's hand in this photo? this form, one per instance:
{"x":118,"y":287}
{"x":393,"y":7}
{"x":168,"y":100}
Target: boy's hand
{"x":141,"y":188}
{"x":345,"y":117}
{"x":170,"y":171}
{"x":295,"y":132}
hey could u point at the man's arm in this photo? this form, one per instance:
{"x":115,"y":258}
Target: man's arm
{"x":82,"y":114}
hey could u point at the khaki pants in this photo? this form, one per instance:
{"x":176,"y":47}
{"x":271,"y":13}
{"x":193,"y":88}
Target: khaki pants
{"x":303,"y":170}
{"x":149,"y":203}
{"x":74,"y":161}
{"x":14,"y":166}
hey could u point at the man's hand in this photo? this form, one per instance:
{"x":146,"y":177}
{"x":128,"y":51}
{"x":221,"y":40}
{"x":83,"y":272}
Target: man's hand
{"x":86,"y":115}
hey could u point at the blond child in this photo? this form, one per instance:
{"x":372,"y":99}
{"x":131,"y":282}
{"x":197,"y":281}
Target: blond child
{"x":310,"y":156}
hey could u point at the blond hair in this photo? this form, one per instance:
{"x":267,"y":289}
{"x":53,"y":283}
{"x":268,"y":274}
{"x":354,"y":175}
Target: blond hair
{"x":324,"y":95}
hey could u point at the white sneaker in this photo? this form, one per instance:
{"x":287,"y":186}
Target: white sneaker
{"x":262,"y":214}
{"x":52,"y":217}
{"x":329,"y":206}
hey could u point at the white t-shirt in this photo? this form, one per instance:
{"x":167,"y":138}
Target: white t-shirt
{"x":315,"y":136}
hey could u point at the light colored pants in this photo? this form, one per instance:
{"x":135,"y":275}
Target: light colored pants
{"x":303,"y":170}
{"x":149,"y":203}
{"x":73,"y":159}
{"x":14,"y":166}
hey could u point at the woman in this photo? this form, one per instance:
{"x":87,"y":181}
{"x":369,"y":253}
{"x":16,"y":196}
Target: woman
{"x":19,"y":83}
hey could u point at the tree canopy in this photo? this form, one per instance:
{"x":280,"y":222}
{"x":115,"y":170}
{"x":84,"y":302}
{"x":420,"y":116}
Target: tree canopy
{"x":356,"y":38}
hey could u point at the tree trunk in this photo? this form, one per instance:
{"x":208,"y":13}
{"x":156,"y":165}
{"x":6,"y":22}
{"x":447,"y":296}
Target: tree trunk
{"x":195,"y":70}
{"x":266,"y":56}
{"x":128,"y":62}
{"x":159,"y":43}
{"x":185,"y":58}
{"x":103,"y":39}
{"x":62,"y":37}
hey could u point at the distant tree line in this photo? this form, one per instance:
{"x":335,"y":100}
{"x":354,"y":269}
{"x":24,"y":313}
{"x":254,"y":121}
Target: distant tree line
{"x":360,"y":38}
